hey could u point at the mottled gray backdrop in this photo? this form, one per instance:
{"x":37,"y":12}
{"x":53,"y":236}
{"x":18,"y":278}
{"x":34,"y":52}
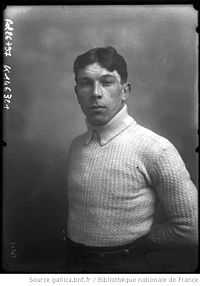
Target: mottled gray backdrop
{"x":160,"y":45}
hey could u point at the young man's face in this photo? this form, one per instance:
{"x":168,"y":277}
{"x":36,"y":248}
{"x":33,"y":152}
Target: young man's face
{"x":100,"y":93}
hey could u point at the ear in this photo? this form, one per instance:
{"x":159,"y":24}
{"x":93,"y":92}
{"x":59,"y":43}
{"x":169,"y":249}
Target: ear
{"x":75,"y":90}
{"x":126,"y":90}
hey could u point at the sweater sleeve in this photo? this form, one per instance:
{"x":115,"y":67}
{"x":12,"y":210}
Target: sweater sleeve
{"x":178,"y":198}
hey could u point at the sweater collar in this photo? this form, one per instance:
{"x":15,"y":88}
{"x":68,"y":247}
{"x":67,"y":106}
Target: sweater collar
{"x":107,"y":132}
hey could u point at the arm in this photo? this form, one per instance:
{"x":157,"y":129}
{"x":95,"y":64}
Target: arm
{"x":178,"y":198}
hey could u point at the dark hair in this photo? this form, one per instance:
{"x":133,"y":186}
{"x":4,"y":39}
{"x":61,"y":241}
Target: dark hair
{"x":107,"y":57}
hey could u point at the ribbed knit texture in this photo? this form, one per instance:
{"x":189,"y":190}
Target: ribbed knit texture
{"x":116,"y":174}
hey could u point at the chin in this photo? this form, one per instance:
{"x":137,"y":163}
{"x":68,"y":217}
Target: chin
{"x":98,"y":121}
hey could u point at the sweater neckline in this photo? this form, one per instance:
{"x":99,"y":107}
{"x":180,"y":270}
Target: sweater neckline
{"x":121,"y":121}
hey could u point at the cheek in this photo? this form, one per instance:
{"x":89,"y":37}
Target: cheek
{"x":82,"y":102}
{"x":82,"y":98}
{"x":115,"y":95}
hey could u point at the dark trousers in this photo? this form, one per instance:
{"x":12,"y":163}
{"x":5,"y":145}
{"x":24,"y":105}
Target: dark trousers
{"x":138,"y":257}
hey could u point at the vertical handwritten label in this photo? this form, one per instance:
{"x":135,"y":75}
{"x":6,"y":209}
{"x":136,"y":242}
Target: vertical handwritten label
{"x":7,"y":95}
{"x":12,"y":249}
{"x":7,"y":68}
{"x":8,"y":37}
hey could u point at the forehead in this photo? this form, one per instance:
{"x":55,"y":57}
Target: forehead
{"x":95,"y":71}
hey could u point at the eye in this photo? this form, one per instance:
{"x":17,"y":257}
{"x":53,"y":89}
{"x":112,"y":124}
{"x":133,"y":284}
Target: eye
{"x":106,"y":82}
{"x":84,"y":83}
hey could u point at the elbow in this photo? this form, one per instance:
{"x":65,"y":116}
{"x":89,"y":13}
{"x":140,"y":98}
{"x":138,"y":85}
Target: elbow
{"x":193,"y":238}
{"x":188,"y":234}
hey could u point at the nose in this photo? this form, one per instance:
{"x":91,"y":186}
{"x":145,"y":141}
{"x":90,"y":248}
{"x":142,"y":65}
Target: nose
{"x":97,"y":92}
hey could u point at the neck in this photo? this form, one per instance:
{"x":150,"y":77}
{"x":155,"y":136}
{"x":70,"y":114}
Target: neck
{"x":102,"y":125}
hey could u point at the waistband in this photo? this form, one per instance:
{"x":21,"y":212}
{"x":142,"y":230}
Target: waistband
{"x":140,"y":243}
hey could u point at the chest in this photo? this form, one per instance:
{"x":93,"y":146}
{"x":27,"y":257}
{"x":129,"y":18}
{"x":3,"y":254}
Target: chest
{"x":110,"y":167}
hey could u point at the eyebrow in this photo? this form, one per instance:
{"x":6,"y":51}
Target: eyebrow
{"x":106,"y":76}
{"x":83,"y":78}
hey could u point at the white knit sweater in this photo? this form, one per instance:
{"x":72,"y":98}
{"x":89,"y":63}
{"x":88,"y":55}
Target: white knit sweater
{"x":115,"y":178}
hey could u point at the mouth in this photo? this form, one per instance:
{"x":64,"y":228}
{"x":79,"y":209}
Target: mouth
{"x":97,"y":107}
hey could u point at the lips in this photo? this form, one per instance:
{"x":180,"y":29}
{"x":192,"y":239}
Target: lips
{"x":97,"y":107}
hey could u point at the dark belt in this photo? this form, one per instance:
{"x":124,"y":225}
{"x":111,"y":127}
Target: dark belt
{"x":137,"y":246}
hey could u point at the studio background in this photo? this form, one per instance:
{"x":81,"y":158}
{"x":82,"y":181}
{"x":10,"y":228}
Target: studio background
{"x":160,"y":46}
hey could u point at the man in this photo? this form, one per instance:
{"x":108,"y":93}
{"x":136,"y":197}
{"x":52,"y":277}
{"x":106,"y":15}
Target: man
{"x":118,"y":173}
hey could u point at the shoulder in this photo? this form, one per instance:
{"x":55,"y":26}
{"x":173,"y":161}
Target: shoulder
{"x":79,"y":139}
{"x":161,"y":159}
{"x":156,"y":151}
{"x":150,"y":142}
{"x":77,"y":142}
{"x":160,"y":155}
